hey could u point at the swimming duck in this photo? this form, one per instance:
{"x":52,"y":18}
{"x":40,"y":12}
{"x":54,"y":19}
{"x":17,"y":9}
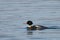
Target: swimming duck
{"x":34,"y":27}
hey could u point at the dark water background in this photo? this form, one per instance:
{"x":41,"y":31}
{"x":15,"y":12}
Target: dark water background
{"x":13,"y":13}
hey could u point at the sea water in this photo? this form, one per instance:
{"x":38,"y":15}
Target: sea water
{"x":14,"y":13}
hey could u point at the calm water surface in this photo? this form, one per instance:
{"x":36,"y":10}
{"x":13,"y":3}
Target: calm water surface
{"x":13,"y":13}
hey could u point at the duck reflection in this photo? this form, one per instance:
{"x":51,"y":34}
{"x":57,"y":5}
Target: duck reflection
{"x":29,"y":32}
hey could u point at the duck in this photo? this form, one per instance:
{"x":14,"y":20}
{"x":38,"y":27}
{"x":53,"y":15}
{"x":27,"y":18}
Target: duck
{"x":34,"y":27}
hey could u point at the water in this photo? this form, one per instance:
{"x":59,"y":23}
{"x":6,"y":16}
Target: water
{"x":13,"y":13}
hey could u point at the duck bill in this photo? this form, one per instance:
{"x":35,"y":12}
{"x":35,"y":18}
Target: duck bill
{"x":24,"y":23}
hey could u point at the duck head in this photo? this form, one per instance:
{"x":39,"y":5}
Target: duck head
{"x":29,"y":23}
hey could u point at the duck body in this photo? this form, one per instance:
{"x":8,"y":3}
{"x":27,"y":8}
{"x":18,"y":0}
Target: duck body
{"x":36,"y":27}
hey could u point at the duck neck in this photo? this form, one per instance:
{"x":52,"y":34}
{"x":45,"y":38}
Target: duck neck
{"x":30,"y":26}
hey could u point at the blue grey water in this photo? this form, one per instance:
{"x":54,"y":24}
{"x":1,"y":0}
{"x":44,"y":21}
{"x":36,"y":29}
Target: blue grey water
{"x":13,"y":14}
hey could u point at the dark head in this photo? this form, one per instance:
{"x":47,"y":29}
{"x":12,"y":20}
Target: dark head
{"x":29,"y":22}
